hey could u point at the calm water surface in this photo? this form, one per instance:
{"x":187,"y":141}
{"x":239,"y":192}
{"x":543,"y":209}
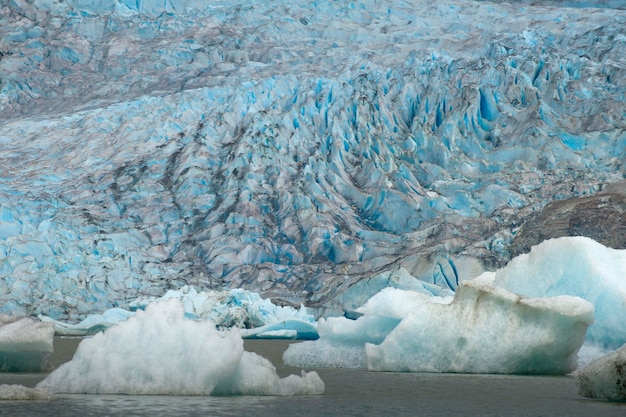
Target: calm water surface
{"x":348,"y":393}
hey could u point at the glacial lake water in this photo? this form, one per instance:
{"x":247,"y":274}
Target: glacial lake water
{"x":348,"y":393}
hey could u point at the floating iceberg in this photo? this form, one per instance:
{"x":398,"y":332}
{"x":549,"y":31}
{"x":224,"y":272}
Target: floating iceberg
{"x":159,"y":351}
{"x":257,"y":317}
{"x":483,"y":329}
{"x":232,"y":308}
{"x":486,"y":329}
{"x":342,"y":340}
{"x":25,"y":344}
{"x":605,"y":377}
{"x":575,"y":266}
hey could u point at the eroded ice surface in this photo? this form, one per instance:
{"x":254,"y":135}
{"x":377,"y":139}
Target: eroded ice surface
{"x":25,"y":344}
{"x":293,"y":148}
{"x":159,"y":351}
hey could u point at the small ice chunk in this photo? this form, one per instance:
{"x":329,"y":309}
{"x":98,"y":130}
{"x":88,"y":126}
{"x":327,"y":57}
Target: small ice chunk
{"x":285,"y":329}
{"x":605,"y":377}
{"x":342,"y":340}
{"x":22,"y":393}
{"x":25,"y":344}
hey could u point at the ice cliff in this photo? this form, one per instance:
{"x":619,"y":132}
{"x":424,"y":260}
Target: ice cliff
{"x":291,"y":148}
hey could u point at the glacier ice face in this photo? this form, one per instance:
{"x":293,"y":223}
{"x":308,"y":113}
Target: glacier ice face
{"x":604,"y":378}
{"x":25,"y":344}
{"x":290,"y":148}
{"x":575,"y":266}
{"x":158,"y":351}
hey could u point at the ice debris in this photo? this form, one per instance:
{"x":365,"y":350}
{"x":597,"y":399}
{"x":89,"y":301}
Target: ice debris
{"x":17,"y":392}
{"x":159,"y":351}
{"x":605,"y":377}
{"x":25,"y":344}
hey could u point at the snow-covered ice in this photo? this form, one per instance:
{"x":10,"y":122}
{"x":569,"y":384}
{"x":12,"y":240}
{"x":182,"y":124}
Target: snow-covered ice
{"x":605,"y":377}
{"x":159,"y":351}
{"x":25,"y":344}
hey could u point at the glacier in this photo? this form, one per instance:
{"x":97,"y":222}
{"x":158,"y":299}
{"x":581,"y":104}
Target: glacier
{"x":159,"y":351}
{"x":295,"y":149}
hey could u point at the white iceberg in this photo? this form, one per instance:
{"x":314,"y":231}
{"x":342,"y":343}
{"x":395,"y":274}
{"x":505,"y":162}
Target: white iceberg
{"x":159,"y":351}
{"x":605,"y":377}
{"x":25,"y":344}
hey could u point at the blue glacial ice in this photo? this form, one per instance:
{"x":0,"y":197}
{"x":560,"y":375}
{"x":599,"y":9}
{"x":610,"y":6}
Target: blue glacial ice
{"x":159,"y":351}
{"x":294,"y":149}
{"x":25,"y":344}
